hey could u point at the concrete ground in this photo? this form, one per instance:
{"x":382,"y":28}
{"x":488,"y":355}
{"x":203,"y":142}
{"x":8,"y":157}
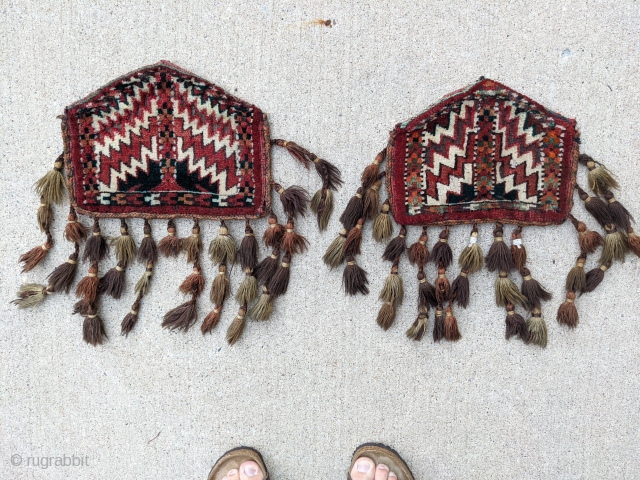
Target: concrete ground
{"x":321,"y":377}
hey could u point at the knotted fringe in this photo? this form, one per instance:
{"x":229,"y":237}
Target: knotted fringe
{"x":354,"y":278}
{"x":396,"y":247}
{"x":113,"y":281}
{"x":619,"y":214}
{"x":142,"y":286}
{"x":294,"y":200}
{"x":567,"y":312}
{"x":615,"y":245}
{"x":460,"y":289}
{"x":595,"y":206}
{"x":222,"y":249}
{"x":633,"y":242}
{"x":96,"y":248}
{"x":44,"y":215}
{"x":382,"y":227}
{"x":438,"y":325}
{"x":221,"y":286}
{"x":93,"y":329}
{"x":589,"y":240}
{"x":148,"y":252}
{"x":62,"y":276}
{"x":577,"y":279}
{"x":370,"y":174}
{"x":192,"y":245}
{"x":248,"y":252}
{"x":248,"y":289}
{"x":322,"y":206}
{"x":418,"y":252}
{"x":293,"y":242}
{"x":353,"y":212}
{"x":386,"y":315}
{"x":518,"y":251}
{"x":371,"y":202}
{"x":515,"y":324}
{"x":87,"y":288}
{"x":211,"y":320}
{"x":130,"y":319}
{"x":262,"y":309}
{"x":234,"y":332}
{"x":533,"y":292}
{"x":170,"y":245}
{"x":334,"y":256}
{"x":442,"y":286}
{"x":471,"y":258}
{"x":182,"y":317}
{"x":499,"y":256}
{"x":329,"y":173}
{"x":74,"y":231}
{"x":354,"y":239}
{"x":267,"y":267}
{"x":280,"y":281}
{"x":451,"y":331}
{"x":420,"y":325}
{"x":393,"y":289}
{"x":34,"y":256}
{"x":537,"y":329}
{"x":272,"y":237}
{"x":599,"y":177}
{"x":507,"y":292}
{"x":124,"y":245}
{"x":426,"y":291}
{"x":31,"y":294}
{"x":594,"y":277}
{"x":441,"y":253}
{"x":52,"y":186}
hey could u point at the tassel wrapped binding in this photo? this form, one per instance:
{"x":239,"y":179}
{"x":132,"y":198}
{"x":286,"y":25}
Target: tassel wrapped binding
{"x":396,"y":247}
{"x":44,"y":215}
{"x":353,"y":212}
{"x":194,"y":283}
{"x":148,"y":252}
{"x":93,"y":329}
{"x":537,"y":329}
{"x":426,"y":291}
{"x":460,"y":289}
{"x":418,"y":253}
{"x":293,"y":242}
{"x":499,"y":256}
{"x":192,"y":245}
{"x":248,"y":289}
{"x":442,"y":286}
{"x":221,"y":286}
{"x":370,"y":174}
{"x":334,"y":256}
{"x":371,"y":202}
{"x":518,"y":251}
{"x":279,"y":283}
{"x":441,"y":252}
{"x":353,"y":241}
{"x":272,"y":237}
{"x":234,"y":332}
{"x":615,"y":245}
{"x":393,"y":289}
{"x":322,"y":206}
{"x":419,"y":328}
{"x":170,"y":245}
{"x":130,"y":319}
{"x":595,"y":206}
{"x":567,"y":312}
{"x":594,"y":277}
{"x":222,"y":249}
{"x":619,"y":214}
{"x":142,"y":286}
{"x":451,"y":331}
{"x":577,"y":278}
{"x":382,"y":227}
{"x":113,"y":281}
{"x":124,"y":245}
{"x":294,"y":200}
{"x":515,"y":324}
{"x":62,"y":277}
{"x":267,"y":267}
{"x":507,"y":292}
{"x":354,"y":278}
{"x":248,"y":252}
{"x":30,"y":295}
{"x":438,"y":325}
{"x":263,"y":308}
{"x":599,"y":177}
{"x":87,"y":288}
{"x":471,"y":258}
{"x":34,"y":256}
{"x":589,"y":240}
{"x":211,"y":320}
{"x":96,"y":248}
{"x":74,"y":231}
{"x":52,"y":187}
{"x":533,"y":292}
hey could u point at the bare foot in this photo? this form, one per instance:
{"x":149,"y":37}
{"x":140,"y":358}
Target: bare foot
{"x":247,"y":471}
{"x":365,"y":469}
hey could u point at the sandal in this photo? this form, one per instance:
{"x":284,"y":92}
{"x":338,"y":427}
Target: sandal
{"x":380,"y":453}
{"x":233,"y":459}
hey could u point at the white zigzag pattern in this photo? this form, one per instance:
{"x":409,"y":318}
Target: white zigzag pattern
{"x":146,"y":156}
{"x":114,"y":143}
{"x":122,"y":107}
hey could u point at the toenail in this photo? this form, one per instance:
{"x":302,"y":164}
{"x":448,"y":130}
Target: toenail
{"x":363,"y":467}
{"x":250,"y":470}
{"x":232,"y":472}
{"x":391,"y":474}
{"x":382,"y":466}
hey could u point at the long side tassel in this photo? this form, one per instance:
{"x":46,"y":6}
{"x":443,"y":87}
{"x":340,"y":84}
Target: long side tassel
{"x":441,"y":253}
{"x":499,"y":256}
{"x":211,"y":320}
{"x":353,"y":211}
{"x":221,"y":286}
{"x":589,"y":240}
{"x":248,"y":252}
{"x":576,"y":278}
{"x":148,"y":252}
{"x":62,"y":276}
{"x":420,"y":325}
{"x":52,"y":187}
{"x":113,"y":281}
{"x":222,"y":249}
{"x":354,"y":278}
{"x":615,"y":245}
{"x":594,"y":277}
{"x":130,"y":319}
{"x":234,"y":332}
{"x":31,"y":295}
{"x":45,"y":215}
{"x":93,"y":329}
{"x":515,"y":324}
{"x":382,"y":226}
{"x":263,"y":308}
{"x":396,"y":247}
{"x":34,"y":256}
{"x":567,"y":312}
{"x":352,"y":244}
{"x":451,"y":331}
{"x":518,"y":251}
{"x":443,"y":288}
{"x":329,"y":173}
{"x":192,"y":245}
{"x":124,"y":245}
{"x":471,"y":258}
{"x":170,"y":245}
{"x":599,"y":177}
{"x":438,"y":324}
{"x":418,"y":252}
{"x":619,"y":214}
{"x":537,"y":329}
{"x":595,"y":206}
{"x":96,"y":247}
{"x":141,"y":288}
{"x":267,"y":267}
{"x":272,"y":236}
{"x":370,"y":174}
{"x":633,"y":242}
{"x":334,"y":256}
{"x":371,"y":202}
{"x":294,"y":200}
{"x":293,"y":242}
{"x":533,"y":292}
{"x":506,"y":291}
{"x":74,"y":231}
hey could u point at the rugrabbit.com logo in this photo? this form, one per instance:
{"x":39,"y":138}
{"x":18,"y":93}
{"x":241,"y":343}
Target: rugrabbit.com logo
{"x":49,"y":461}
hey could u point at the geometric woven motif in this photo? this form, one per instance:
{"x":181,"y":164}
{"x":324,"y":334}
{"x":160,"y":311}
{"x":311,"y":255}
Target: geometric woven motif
{"x":162,"y":142}
{"x":482,"y":154}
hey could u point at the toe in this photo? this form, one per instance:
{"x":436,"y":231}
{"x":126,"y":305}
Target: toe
{"x":363,"y":469}
{"x":251,"y":471}
{"x":382,"y":472}
{"x":392,"y":476}
{"x":232,"y":475}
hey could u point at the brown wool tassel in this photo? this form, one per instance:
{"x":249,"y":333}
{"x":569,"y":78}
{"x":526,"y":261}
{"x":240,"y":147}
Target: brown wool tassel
{"x":293,"y":242}
{"x":393,"y":290}
{"x":248,"y":289}
{"x":248,"y":252}
{"x":52,"y":187}
{"x":263,"y":308}
{"x":182,"y":317}
{"x":34,"y":256}
{"x":354,"y":240}
{"x":192,"y":245}
{"x":619,"y":214}
{"x":148,"y":252}
{"x":443,"y":288}
{"x":594,"y":277}
{"x":142,"y":286}
{"x":222,"y":249}
{"x":62,"y":277}
{"x":386,"y":315}
{"x":382,"y":227}
{"x":113,"y":281}
{"x":124,"y":245}
{"x":418,"y":252}
{"x":170,"y":245}
{"x":599,"y":177}
{"x":567,"y":312}
{"x":130,"y":319}
{"x":322,"y":206}
{"x":44,"y":215}
{"x":451,"y":331}
{"x":518,"y":252}
{"x":507,"y":292}
{"x":499,"y":256}
{"x":515,"y":324}
{"x":426,"y":291}
{"x":576,"y":279}
{"x":420,"y":325}
{"x":194,"y":283}
{"x":353,"y":212}
{"x":633,"y":242}
{"x":31,"y":295}
{"x":82,"y":307}
{"x":396,"y":247}
{"x":370,"y":174}
{"x":537,"y":329}
{"x":93,"y":329}
{"x":280,"y":281}
{"x":221,"y":286}
{"x":329,"y":173}
{"x":441,"y":253}
{"x":211,"y":320}
{"x":438,"y":325}
{"x":471,"y":258}
{"x":87,"y":288}
{"x":354,"y":278}
{"x":96,"y":247}
{"x":294,"y":200}
{"x":589,"y":240}
{"x":372,"y":198}
{"x":460,"y":289}
{"x":334,"y":256}
{"x":533,"y":292}
{"x":234,"y":332}
{"x":267,"y":267}
{"x":74,"y":231}
{"x":595,"y":206}
{"x":272,"y":236}
{"x":615,"y":245}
